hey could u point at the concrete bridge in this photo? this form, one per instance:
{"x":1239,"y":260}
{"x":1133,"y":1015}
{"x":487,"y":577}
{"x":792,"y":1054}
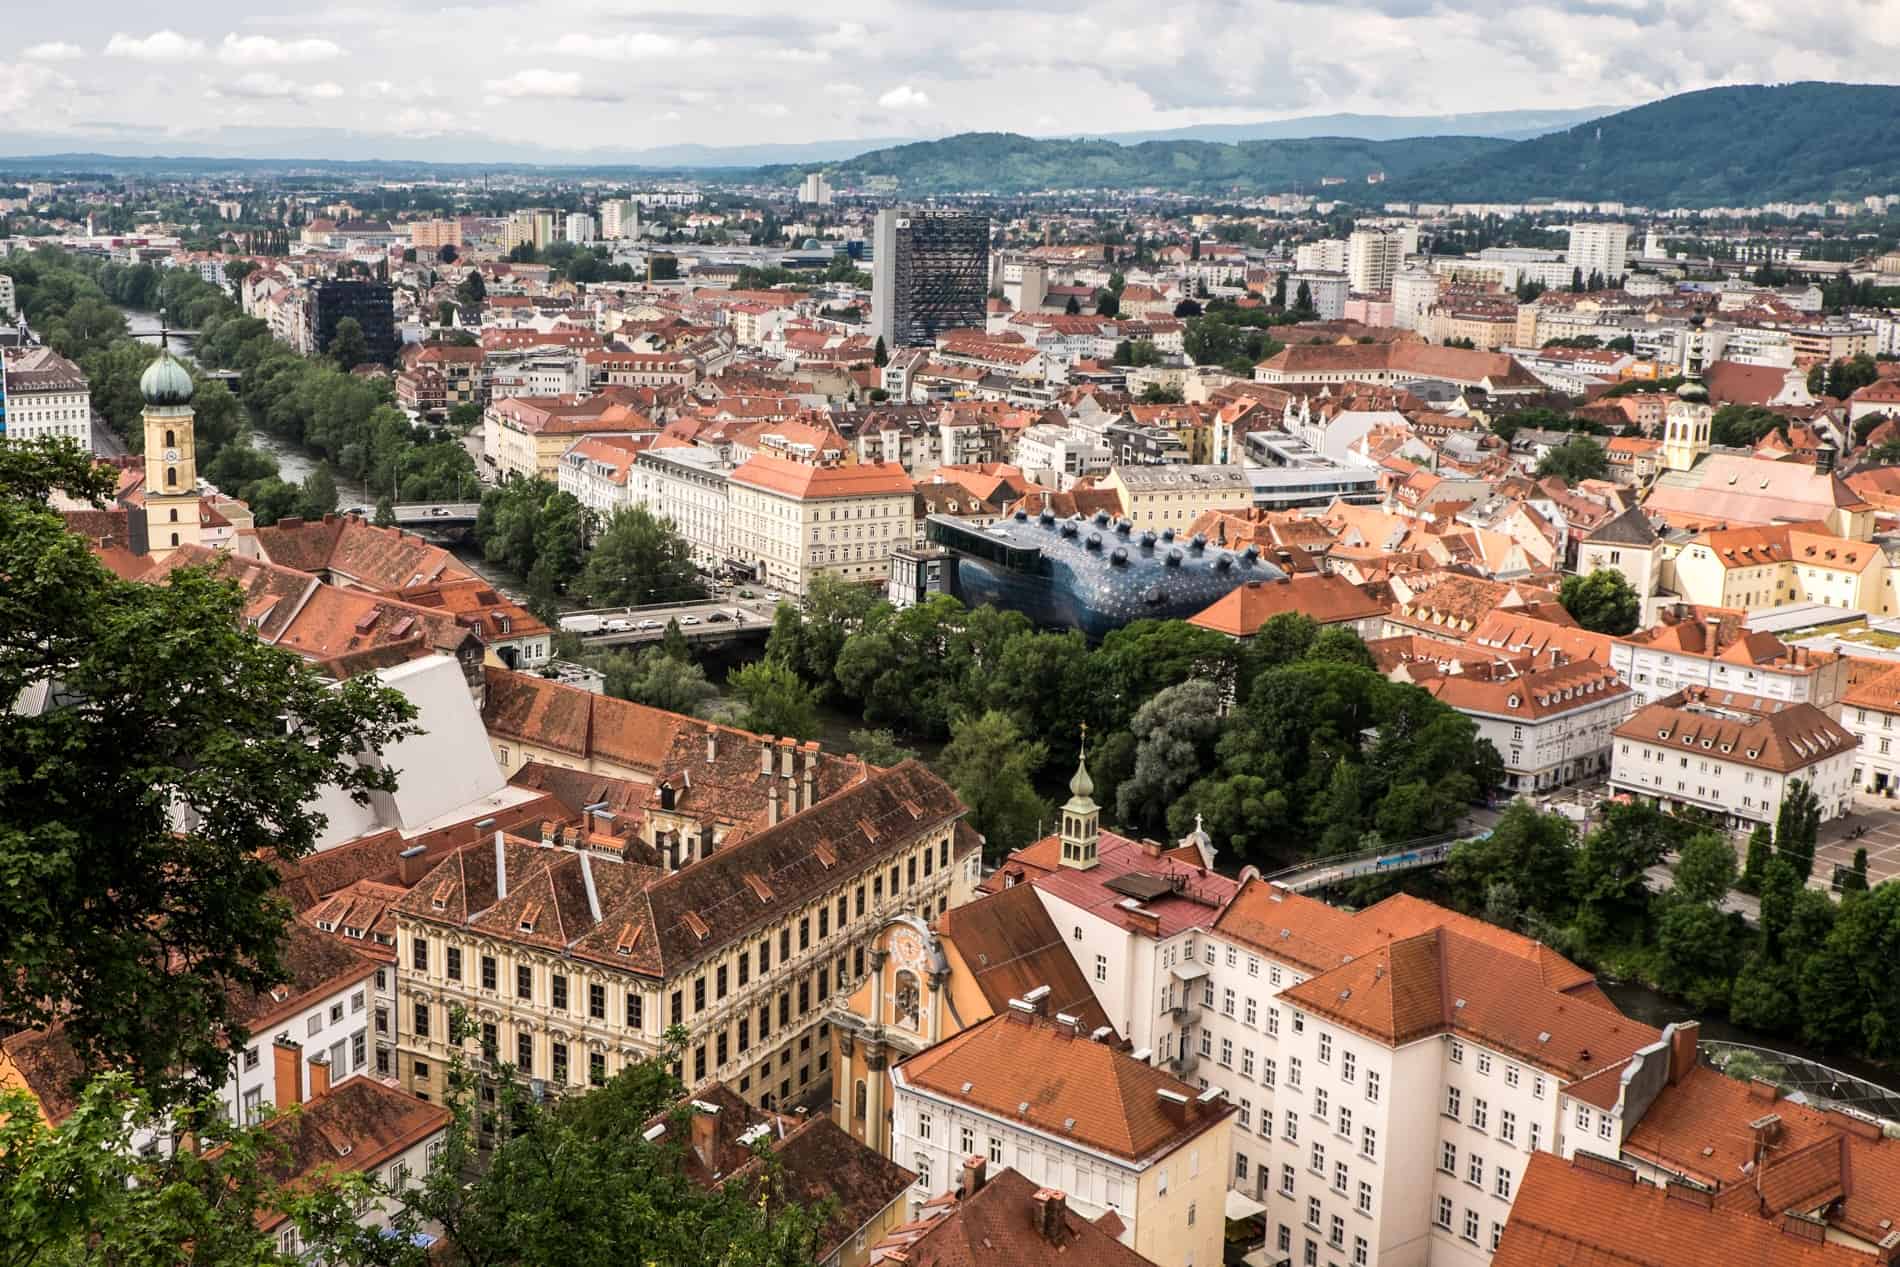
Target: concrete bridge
{"x":422,"y":516}
{"x":1320,"y":873}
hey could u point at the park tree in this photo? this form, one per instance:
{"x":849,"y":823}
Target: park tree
{"x":880,"y":355}
{"x":348,"y":346}
{"x":1174,"y":734}
{"x":1761,"y":847}
{"x":652,"y":677}
{"x":638,"y":559}
{"x":1576,"y":459}
{"x":880,"y":748}
{"x":1603,"y":601}
{"x":992,"y":766}
{"x":1705,"y":868}
{"x":1797,"y":824}
{"x":135,"y":818}
{"x":775,"y":700}
{"x":472,"y":289}
{"x":1533,"y":851}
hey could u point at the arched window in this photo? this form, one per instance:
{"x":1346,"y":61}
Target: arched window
{"x":174,"y":538}
{"x":171,"y":477}
{"x":171,"y":440}
{"x":859,"y":1103}
{"x":907,"y":1000}
{"x":174,"y":514}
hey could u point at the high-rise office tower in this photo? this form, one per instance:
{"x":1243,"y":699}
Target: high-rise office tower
{"x":929,"y":273}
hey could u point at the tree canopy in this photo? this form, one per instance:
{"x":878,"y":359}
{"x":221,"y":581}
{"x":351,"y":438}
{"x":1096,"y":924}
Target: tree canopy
{"x":1603,"y":601}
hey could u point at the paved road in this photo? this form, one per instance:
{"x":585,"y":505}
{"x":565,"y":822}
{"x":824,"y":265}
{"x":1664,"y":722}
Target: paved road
{"x":105,"y":441}
{"x":694,"y":619}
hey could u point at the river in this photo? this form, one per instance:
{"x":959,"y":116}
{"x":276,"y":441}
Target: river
{"x":295,"y":463}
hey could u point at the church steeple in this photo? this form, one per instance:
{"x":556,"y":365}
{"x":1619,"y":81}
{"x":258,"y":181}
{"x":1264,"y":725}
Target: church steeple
{"x":171,"y":462}
{"x":1081,"y":817}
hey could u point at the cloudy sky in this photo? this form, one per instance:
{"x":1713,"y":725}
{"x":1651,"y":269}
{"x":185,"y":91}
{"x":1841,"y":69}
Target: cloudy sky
{"x":637,"y":73}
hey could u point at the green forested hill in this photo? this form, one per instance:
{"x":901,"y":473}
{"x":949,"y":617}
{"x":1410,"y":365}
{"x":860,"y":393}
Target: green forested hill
{"x":1721,"y":146}
{"x":1746,"y":145}
{"x":1002,"y":162}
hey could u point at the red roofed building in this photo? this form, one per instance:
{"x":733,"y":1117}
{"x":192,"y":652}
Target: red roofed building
{"x":792,"y":520}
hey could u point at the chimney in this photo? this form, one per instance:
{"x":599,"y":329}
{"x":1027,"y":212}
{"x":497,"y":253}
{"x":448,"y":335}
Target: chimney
{"x":765,"y":754}
{"x":1682,"y":1043}
{"x":808,"y":760}
{"x":1762,"y":1089}
{"x":787,"y":747}
{"x":971,"y":1181}
{"x":712,"y":745}
{"x":288,"y":1070}
{"x":319,"y":1077}
{"x":548,"y":830}
{"x":410,"y":865}
{"x":501,"y":867}
{"x":771,"y":800}
{"x":1050,"y":1207}
{"x":706,"y":1134}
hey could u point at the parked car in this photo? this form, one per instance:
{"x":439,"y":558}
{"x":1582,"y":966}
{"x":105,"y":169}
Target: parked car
{"x":689,"y":620}
{"x":717,"y":618}
{"x":771,"y":596}
{"x":619,"y":625}
{"x":649,"y":624}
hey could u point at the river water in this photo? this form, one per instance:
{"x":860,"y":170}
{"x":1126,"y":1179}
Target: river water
{"x":1652,"y":1008}
{"x":295,"y":463}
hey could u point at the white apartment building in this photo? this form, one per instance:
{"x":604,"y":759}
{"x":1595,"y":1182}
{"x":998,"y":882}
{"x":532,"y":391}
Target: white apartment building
{"x":1870,"y":711}
{"x":691,"y":487}
{"x":1551,"y":725}
{"x":1667,"y":656}
{"x":1373,"y":257}
{"x":1733,"y":755}
{"x":1326,"y":256}
{"x":597,"y":472}
{"x":7,"y":301}
{"x":46,"y":397}
{"x":580,"y":228}
{"x":1414,"y":294}
{"x":1328,"y":291}
{"x":815,"y":191}
{"x":619,"y":218}
{"x":1073,"y":1113}
{"x":1394,"y":1070}
{"x":323,"y":1011}
{"x":1599,"y":248}
{"x":1059,"y":456}
{"x":792,"y":520}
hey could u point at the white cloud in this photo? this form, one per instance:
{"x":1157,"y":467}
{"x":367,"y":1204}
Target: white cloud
{"x":633,"y":47}
{"x":160,"y":46}
{"x":262,"y":50}
{"x":844,"y":91}
{"x":538,"y":83}
{"x":25,"y":90}
{"x":267,"y":85}
{"x":54,"y":51}
{"x":904,"y":97}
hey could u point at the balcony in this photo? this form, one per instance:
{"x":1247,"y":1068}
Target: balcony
{"x":1183,"y":1063}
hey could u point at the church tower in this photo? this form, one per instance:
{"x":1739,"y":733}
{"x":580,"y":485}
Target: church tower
{"x":1687,"y":423}
{"x":1081,"y":819}
{"x":171,"y":463}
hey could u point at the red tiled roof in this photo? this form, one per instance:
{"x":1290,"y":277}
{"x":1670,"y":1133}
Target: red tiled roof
{"x":809,"y":481}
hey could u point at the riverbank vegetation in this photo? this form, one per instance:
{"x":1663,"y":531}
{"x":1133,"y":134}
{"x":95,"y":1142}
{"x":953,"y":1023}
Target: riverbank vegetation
{"x":351,"y":422}
{"x":1284,"y":746}
{"x":1810,"y":969}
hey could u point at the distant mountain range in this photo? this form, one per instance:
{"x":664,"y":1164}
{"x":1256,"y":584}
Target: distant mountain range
{"x":1741,"y":145}
{"x":1721,"y":146}
{"x":337,"y":145}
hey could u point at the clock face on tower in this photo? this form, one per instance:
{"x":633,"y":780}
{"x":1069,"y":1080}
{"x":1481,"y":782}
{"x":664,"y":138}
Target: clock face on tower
{"x":907,"y":950}
{"x":171,"y":455}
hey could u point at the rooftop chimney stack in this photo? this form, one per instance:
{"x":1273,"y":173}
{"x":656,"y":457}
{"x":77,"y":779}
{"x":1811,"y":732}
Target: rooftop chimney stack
{"x":1682,"y":1048}
{"x":706,"y":1134}
{"x":287,"y":1058}
{"x":972,"y":1178}
{"x":712,"y":745}
{"x":765,"y":755}
{"x":319,"y":1077}
{"x":1050,"y":1206}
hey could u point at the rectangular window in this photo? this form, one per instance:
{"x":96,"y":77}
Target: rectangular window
{"x":1442,"y":1216}
{"x":1317,"y":1162}
{"x":1454,"y":1102}
{"x":1480,"y":1114}
{"x":719,"y":975}
{"x":923,"y":1125}
{"x":1101,"y":967}
{"x":1361,"y":1252}
{"x":1253,"y":1012}
{"x":1227,"y":1052}
{"x":1336,"y":1232}
{"x":1320,"y":1103}
{"x":720,"y":1052}
{"x":419,"y":954}
{"x":1448,"y":1157}
{"x":1372,"y":1086}
{"x":488,"y":972}
{"x":1507,"y":1126}
{"x":1365,"y":1197}
{"x":1273,"y":1021}
{"x":524,"y":1052}
{"x":1484,"y":1063}
{"x":452,"y":962}
{"x":1348,"y":1067}
{"x":996,"y":1150}
{"x":1286,"y":1180}
{"x":1474,"y":1170}
{"x":1267,"y":1072}
{"x":597,"y":1002}
{"x":559,"y":983}
{"x":422,"y":1019}
{"x":1345,"y":1121}
{"x":1368,"y":1143}
{"x":1227,"y":1002}
{"x":1246,"y":1114}
{"x":596,"y":1068}
{"x":1457,"y":1052}
{"x":1292,"y":1129}
{"x":1246,"y":1062}
{"x":1342,"y":1178}
{"x":699,"y":995}
{"x":1312,"y":1213}
{"x":1293,"y":1072}
{"x":1471,"y":1225}
{"x":524,"y":982}
{"x":1536,"y":1136}
{"x":1502,"y":1186}
{"x":1326,"y":1049}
